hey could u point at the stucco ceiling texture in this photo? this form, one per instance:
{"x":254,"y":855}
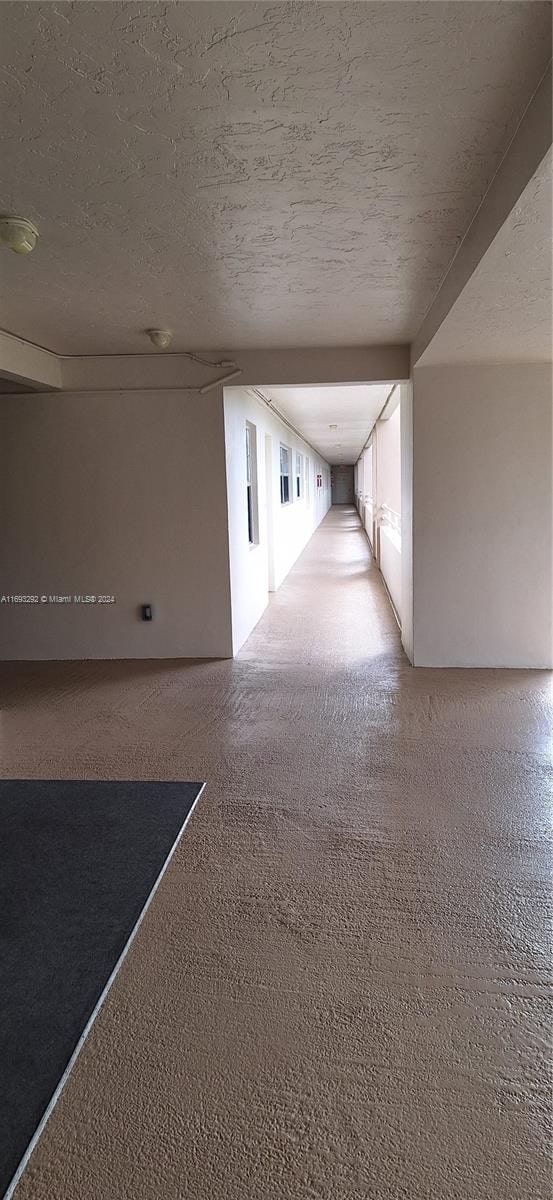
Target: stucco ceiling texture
{"x":250,"y":175}
{"x":505,"y":310}
{"x":315,"y":410}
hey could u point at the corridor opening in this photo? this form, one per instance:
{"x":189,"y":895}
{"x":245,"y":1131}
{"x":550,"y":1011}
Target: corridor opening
{"x":314,"y":446}
{"x":342,"y":482}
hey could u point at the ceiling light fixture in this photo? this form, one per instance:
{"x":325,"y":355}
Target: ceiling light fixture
{"x":18,"y":234}
{"x":160,"y":338}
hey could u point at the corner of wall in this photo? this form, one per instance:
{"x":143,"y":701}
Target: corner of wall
{"x":406,"y":428}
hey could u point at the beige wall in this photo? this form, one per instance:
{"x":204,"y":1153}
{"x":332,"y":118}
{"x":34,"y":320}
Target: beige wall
{"x":482,"y":494}
{"x":118,"y":493}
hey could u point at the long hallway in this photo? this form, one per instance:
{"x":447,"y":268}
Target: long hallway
{"x":339,"y":990}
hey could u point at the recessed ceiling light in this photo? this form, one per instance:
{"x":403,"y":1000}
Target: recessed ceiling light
{"x":160,"y":338}
{"x":18,"y":234}
{"x":333,"y":427}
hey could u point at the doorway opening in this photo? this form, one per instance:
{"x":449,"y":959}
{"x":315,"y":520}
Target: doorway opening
{"x":342,"y":482}
{"x":291,"y":453}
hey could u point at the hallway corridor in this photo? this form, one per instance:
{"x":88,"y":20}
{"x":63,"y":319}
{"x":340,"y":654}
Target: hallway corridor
{"x":339,"y":992}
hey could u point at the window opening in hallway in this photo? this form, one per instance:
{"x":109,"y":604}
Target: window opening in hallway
{"x":284,"y":475}
{"x":299,"y":476}
{"x":251,"y":483}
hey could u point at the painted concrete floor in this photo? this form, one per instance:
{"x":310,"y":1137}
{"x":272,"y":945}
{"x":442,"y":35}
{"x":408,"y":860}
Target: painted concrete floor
{"x":339,"y":992}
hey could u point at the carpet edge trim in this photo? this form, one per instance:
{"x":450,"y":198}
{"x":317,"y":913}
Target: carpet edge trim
{"x":99,"y":1003}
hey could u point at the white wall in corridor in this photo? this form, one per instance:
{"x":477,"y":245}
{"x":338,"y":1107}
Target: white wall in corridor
{"x":483,"y":515}
{"x":387,"y":434}
{"x":378,"y":494}
{"x":406,"y":438}
{"x":365,"y":493}
{"x":387,"y":441}
{"x":282,"y":529}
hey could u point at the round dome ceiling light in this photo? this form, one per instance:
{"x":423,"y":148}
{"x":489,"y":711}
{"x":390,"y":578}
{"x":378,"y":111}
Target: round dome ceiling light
{"x":160,"y":338}
{"x":18,"y":234}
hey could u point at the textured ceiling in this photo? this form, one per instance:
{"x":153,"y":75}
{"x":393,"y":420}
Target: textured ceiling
{"x":505,"y":310}
{"x":312,"y":410}
{"x":251,"y":175}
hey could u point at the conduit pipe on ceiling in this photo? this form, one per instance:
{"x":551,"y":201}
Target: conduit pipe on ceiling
{"x":256,"y":391}
{"x":208,"y":387}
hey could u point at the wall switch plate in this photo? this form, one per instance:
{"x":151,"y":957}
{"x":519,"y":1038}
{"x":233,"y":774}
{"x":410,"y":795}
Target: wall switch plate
{"x":147,"y":614}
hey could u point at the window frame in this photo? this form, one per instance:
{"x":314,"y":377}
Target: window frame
{"x":252,"y":507}
{"x":285,"y":490}
{"x":298,"y":476}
